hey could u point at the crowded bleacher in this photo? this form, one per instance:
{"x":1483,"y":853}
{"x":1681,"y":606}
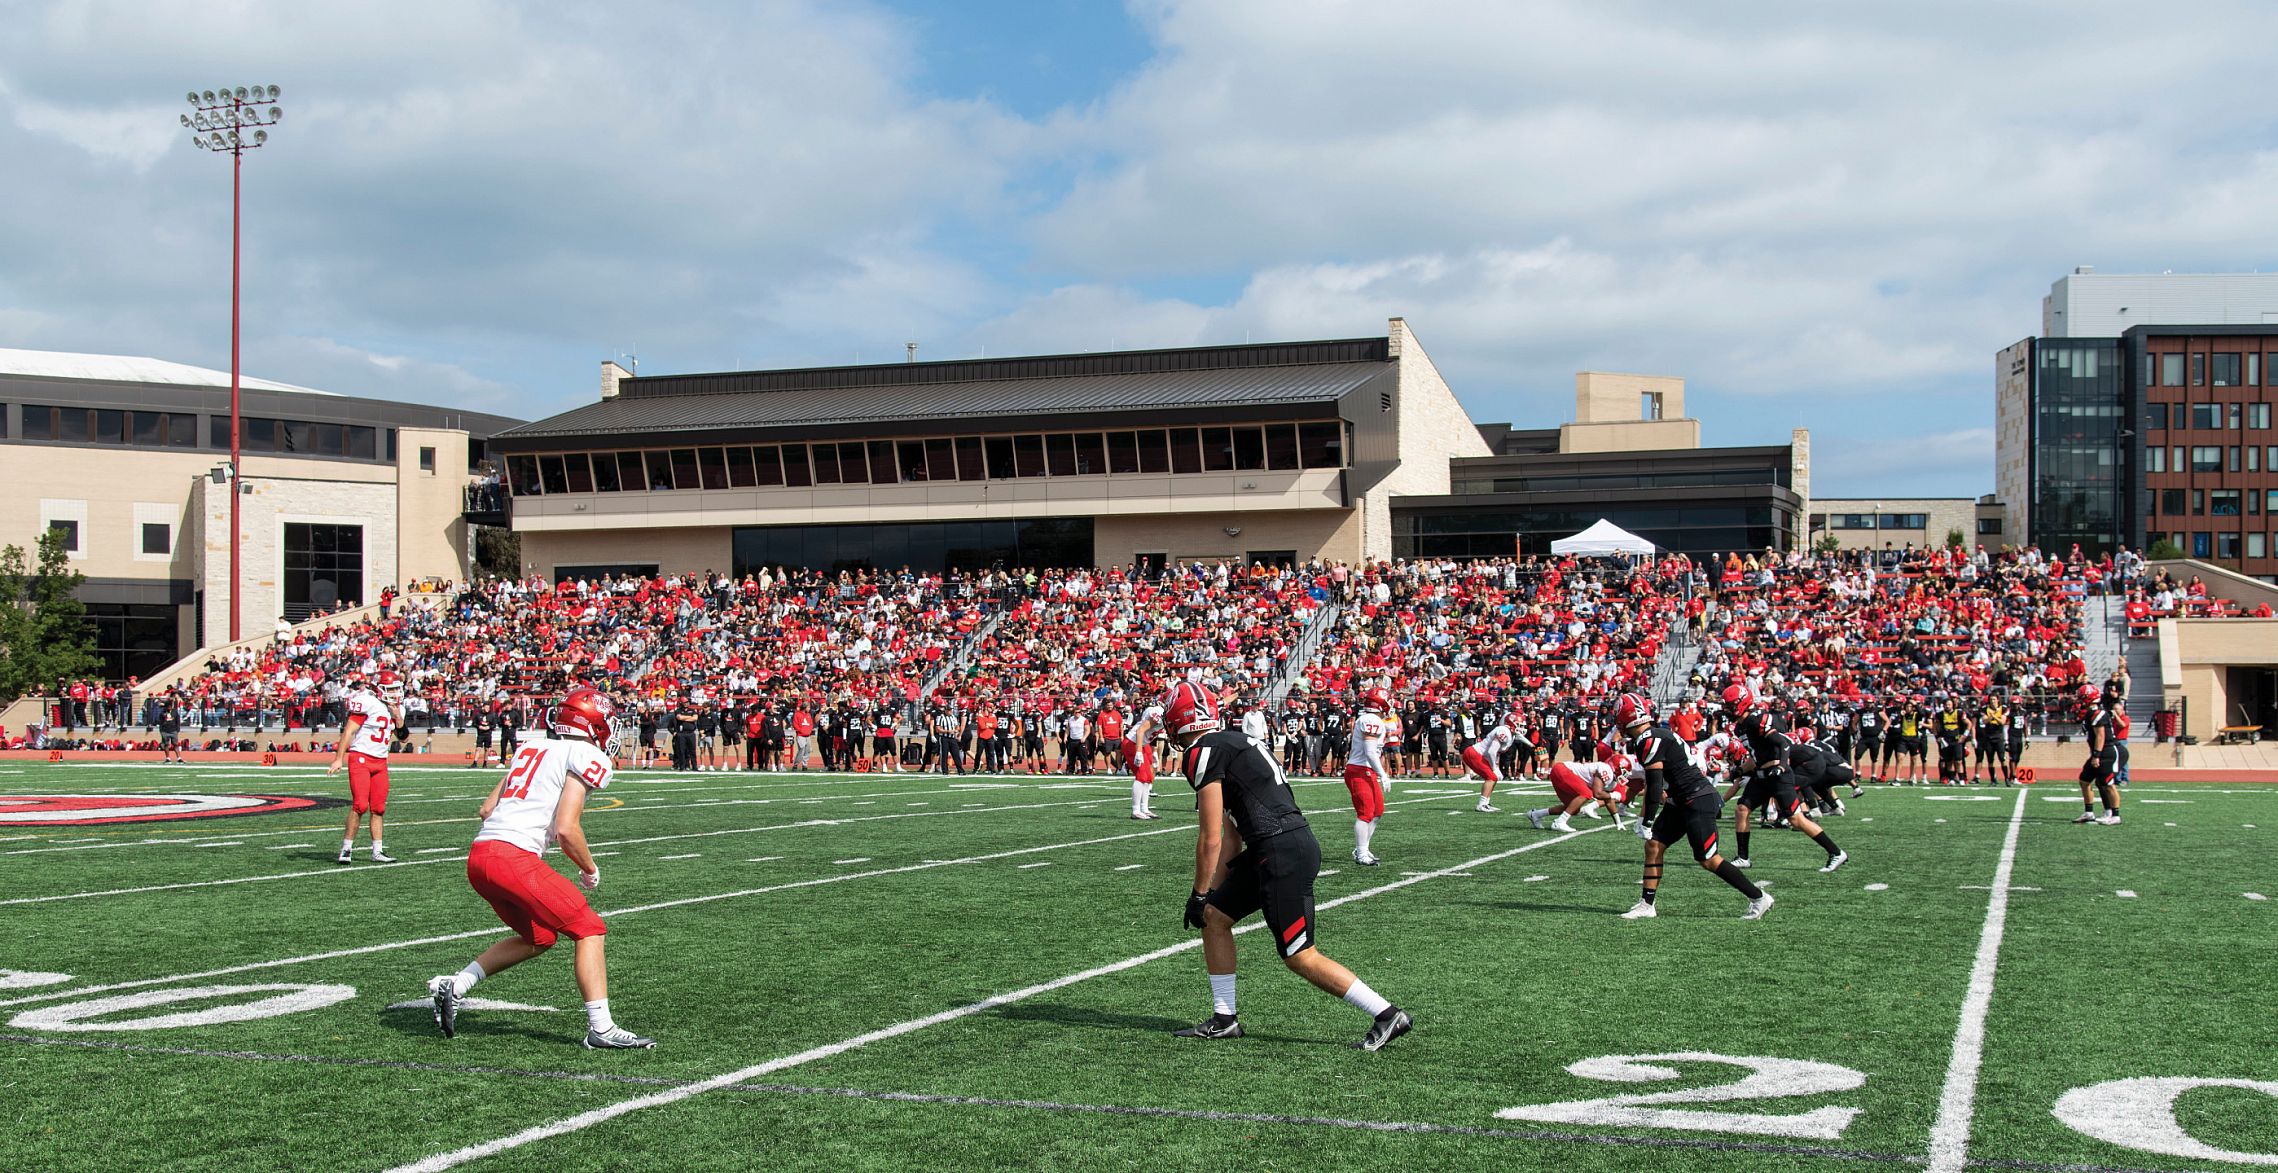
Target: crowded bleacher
{"x":928,"y":669}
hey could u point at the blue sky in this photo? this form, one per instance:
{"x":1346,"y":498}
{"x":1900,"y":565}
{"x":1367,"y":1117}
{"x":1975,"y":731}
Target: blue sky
{"x":1820,"y":216}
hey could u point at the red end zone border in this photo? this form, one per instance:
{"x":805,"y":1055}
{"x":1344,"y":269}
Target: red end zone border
{"x":97,"y":810}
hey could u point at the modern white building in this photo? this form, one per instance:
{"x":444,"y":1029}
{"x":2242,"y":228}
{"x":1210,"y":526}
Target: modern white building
{"x":2087,"y":304}
{"x":127,"y":458}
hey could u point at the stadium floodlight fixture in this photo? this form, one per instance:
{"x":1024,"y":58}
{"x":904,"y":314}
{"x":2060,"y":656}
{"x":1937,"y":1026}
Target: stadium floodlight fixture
{"x":218,"y":118}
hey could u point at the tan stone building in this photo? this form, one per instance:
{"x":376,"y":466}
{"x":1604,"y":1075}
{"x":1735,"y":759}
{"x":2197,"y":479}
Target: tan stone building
{"x":1280,"y":451}
{"x":1862,"y":523}
{"x":128,"y":457}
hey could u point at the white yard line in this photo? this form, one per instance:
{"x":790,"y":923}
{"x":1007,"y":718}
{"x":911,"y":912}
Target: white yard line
{"x":337,"y":870}
{"x":583,"y":1120}
{"x":1957,"y":1104}
{"x":493,"y":929}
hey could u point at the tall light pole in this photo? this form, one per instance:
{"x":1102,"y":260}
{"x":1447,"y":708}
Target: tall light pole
{"x":228,"y":121}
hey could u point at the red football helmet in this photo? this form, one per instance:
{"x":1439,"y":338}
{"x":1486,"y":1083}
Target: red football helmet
{"x":1512,"y":719}
{"x":388,"y":685}
{"x":1189,"y":708}
{"x":1606,"y":752}
{"x":1376,"y":700}
{"x":1632,"y":710}
{"x":588,"y":714}
{"x":1738,"y":699}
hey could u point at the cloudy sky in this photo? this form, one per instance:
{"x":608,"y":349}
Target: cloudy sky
{"x":1821,"y":215}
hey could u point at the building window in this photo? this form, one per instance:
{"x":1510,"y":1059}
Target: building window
{"x":2171,"y":502}
{"x":2258,"y":415}
{"x":2254,"y":544}
{"x":2234,"y":416}
{"x":2198,"y":370}
{"x":2155,"y":416}
{"x":70,"y":532}
{"x":2178,"y":464}
{"x":426,"y":459}
{"x":2206,"y":458}
{"x":1988,"y":526}
{"x":2253,"y":455}
{"x":2253,"y":501}
{"x":2207,"y":417}
{"x":2252,"y":375}
{"x":2171,"y":370}
{"x":2223,"y":502}
{"x":1850,"y":521}
{"x":2226,"y":545}
{"x":2202,"y":545}
{"x":2226,"y":370}
{"x":2155,"y":459}
{"x":157,"y":538}
{"x":2233,"y":465}
{"x":324,"y":568}
{"x":2270,"y":368}
{"x":1906,"y":521}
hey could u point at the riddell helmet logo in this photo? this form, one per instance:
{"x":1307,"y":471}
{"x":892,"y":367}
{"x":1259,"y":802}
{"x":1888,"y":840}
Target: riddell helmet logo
{"x":91,"y":810}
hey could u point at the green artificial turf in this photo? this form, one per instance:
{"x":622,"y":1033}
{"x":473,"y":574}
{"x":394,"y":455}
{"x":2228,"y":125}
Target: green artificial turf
{"x":809,"y":911}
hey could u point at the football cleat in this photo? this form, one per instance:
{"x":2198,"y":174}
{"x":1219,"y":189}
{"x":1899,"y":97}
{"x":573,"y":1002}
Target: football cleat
{"x":2110,"y":819}
{"x":1535,"y":817}
{"x":1561,"y":826}
{"x":1640,"y":911}
{"x":1741,"y":862}
{"x":1366,"y":859}
{"x":346,"y":856}
{"x":1485,"y":809}
{"x":617,"y":1038}
{"x":1592,"y":812}
{"x":1389,"y":1025}
{"x":1217,"y":1026}
{"x":1836,"y":860}
{"x":2085,"y":817}
{"x":1758,"y":907}
{"x":446,"y":994}
{"x":379,"y":856}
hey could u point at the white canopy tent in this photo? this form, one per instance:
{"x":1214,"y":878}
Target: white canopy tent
{"x":1604,"y":537}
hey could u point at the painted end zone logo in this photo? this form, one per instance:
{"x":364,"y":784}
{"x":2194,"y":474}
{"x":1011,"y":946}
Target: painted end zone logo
{"x":92,"y":810}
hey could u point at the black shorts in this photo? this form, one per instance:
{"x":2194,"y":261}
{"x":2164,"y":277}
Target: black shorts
{"x":1839,"y":774}
{"x":1952,"y":751}
{"x":1777,"y":787}
{"x":1989,"y":750}
{"x":1276,"y":877}
{"x":2098,"y":767}
{"x":1694,"y":820}
{"x":2016,"y":749}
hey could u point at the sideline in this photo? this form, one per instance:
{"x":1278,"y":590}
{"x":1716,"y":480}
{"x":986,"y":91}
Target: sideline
{"x":1957,"y":1104}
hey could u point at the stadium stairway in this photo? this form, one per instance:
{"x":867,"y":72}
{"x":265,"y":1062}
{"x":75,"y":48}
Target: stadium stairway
{"x":962,"y":658}
{"x":2105,"y":646}
{"x":1301,"y":655}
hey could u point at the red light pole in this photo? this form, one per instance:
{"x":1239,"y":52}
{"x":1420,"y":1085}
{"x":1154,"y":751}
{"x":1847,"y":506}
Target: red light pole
{"x":225,"y":122}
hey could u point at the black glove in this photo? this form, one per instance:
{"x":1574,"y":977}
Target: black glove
{"x":1195,"y":903}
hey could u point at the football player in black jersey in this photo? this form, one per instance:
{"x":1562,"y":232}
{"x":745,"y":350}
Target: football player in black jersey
{"x":1255,"y":854}
{"x":1679,"y":804}
{"x":2099,"y":773}
{"x":1771,"y":786}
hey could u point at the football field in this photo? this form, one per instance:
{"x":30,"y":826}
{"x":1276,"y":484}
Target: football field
{"x":895,"y":972}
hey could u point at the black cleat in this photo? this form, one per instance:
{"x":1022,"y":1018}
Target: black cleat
{"x":1388,"y":1026}
{"x":1217,"y":1026}
{"x":446,"y":995}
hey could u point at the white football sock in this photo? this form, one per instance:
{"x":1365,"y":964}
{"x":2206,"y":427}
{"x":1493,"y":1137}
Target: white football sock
{"x":465,"y":979}
{"x":1222,"y":994}
{"x":1363,"y":831}
{"x":597,"y":1017}
{"x":1366,"y":1000}
{"x":1139,"y":798}
{"x":378,"y":848}
{"x":347,"y":845}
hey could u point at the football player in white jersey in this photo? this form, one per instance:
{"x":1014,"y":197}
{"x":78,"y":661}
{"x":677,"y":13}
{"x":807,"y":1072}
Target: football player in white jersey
{"x":1483,"y":757}
{"x":373,"y":715}
{"x":1578,"y":784}
{"x":1365,"y":773}
{"x":539,"y":804}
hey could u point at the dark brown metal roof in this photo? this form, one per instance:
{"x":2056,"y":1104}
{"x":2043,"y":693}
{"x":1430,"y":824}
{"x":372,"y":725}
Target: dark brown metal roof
{"x":718,"y":406}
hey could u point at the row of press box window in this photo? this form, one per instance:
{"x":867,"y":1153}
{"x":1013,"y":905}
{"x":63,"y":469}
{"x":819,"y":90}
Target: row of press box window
{"x":1236,"y":448}
{"x":179,"y":429}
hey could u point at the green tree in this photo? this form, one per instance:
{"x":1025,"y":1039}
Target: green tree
{"x":2162,"y":550}
{"x":44,"y":632}
{"x":498,"y":552}
{"x":1954,"y":538}
{"x":1828,"y":545}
